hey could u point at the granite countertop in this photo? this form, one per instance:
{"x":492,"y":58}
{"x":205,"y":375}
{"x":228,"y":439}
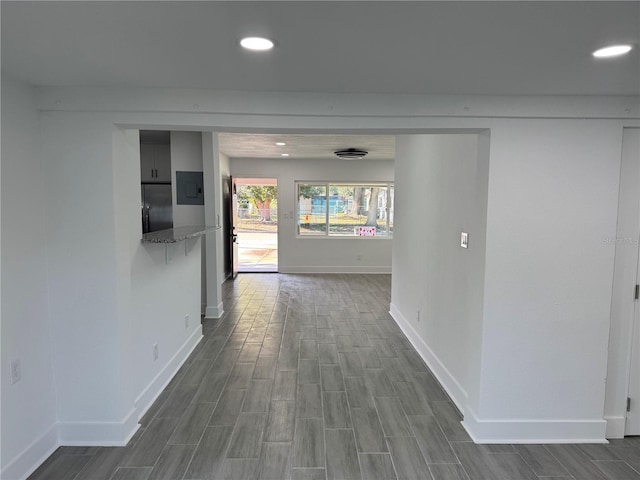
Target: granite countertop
{"x":173,"y":235}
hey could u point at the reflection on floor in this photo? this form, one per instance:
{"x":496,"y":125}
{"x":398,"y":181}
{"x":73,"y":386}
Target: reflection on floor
{"x":308,"y":377}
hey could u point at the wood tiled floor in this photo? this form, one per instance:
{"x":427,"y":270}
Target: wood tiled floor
{"x":307,"y":377}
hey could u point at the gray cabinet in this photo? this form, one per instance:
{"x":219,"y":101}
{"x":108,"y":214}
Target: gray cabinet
{"x":155,"y":163}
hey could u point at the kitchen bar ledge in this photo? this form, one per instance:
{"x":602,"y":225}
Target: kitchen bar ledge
{"x":172,"y":236}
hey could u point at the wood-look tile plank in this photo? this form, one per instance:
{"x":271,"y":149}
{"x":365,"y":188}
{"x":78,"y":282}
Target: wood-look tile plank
{"x":239,"y":469}
{"x":449,"y":471}
{"x":378,"y":383}
{"x":407,"y":458}
{"x":192,"y":425}
{"x":210,"y":453}
{"x":211,"y":388}
{"x":173,"y":462}
{"x":62,"y":467}
{"x":280,"y":421}
{"x":392,"y":417}
{"x":368,"y":430}
{"x":351,"y":364}
{"x":377,"y":465}
{"x":265,"y":367}
{"x":341,"y":455}
{"x":541,"y":461}
{"x":146,"y":451}
{"x":240,"y":377}
{"x":275,"y":461}
{"x":247,"y":436}
{"x":331,"y":378}
{"x":431,"y":439}
{"x":284,"y":385}
{"x":449,"y":420}
{"x":309,"y":401}
{"x":617,"y":470}
{"x":228,"y":408}
{"x":258,"y":396}
{"x":492,"y":466}
{"x":358,"y":392}
{"x":308,"y":443}
{"x":336,"y":410}
{"x":308,"y":474}
{"x":308,"y":349}
{"x":103,"y":464}
{"x":308,"y":371}
{"x":177,"y":402}
{"x":196,"y":372}
{"x":132,"y":473}
{"x":413,"y":401}
{"x":328,"y":354}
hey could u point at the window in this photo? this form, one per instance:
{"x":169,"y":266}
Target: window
{"x":345,"y":209}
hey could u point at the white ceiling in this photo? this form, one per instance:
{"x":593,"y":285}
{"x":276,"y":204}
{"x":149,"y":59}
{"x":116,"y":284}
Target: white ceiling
{"x":420,"y":47}
{"x":514,"y":48}
{"x":234,"y":145}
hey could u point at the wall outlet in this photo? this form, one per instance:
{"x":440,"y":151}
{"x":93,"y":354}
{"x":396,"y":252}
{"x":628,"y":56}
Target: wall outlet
{"x":15,"y":371}
{"x":464,"y":240}
{"x":359,"y":257}
{"x":155,"y":352}
{"x":417,"y":315}
{"x":186,"y":321}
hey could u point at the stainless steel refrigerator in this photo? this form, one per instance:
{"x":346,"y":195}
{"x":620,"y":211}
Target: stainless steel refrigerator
{"x":157,"y":208}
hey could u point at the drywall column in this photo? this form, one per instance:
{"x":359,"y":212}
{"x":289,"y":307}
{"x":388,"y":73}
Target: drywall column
{"x":212,"y":216}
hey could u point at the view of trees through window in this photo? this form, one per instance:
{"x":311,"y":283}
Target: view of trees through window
{"x":337,"y":209}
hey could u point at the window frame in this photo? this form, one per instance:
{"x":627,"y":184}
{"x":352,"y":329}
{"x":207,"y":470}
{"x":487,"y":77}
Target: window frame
{"x":388,"y":185}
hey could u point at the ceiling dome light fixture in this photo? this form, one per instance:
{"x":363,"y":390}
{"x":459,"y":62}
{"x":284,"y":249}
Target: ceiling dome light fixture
{"x":257,"y":43}
{"x":612,"y":51}
{"x":350,"y":153}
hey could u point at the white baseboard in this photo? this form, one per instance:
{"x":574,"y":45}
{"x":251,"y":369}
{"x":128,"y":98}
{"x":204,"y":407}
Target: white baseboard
{"x":501,"y":431}
{"x":615,"y":426}
{"x":162,"y":379}
{"x":439,"y":370}
{"x":533,"y":431}
{"x":215,"y":311}
{"x":333,"y":269}
{"x":33,"y":456}
{"x":99,"y":434}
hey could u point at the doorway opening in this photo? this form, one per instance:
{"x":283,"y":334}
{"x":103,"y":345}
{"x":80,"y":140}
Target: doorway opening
{"x":256,"y":224}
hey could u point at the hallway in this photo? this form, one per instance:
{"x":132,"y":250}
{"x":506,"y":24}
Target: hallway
{"x":308,"y":377}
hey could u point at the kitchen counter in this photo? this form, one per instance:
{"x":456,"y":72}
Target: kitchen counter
{"x":173,"y":235}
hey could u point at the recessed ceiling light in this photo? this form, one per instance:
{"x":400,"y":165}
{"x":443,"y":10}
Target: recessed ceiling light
{"x":612,"y":51}
{"x":284,"y":154}
{"x":280,"y":144}
{"x":256,"y":43}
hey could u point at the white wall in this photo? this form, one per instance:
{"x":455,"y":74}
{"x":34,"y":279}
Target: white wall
{"x":29,"y":407}
{"x":554,"y":165}
{"x":553,"y":193}
{"x":186,"y":156}
{"x":441,"y":191}
{"x":315,"y":254}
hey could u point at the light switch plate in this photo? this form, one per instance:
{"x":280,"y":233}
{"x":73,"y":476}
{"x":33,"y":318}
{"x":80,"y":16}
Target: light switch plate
{"x":464,"y":240}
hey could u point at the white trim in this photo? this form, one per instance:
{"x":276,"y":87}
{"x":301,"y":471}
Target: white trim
{"x":214,"y":312}
{"x":533,"y":431}
{"x":27,"y":461}
{"x":453,"y":388}
{"x":99,"y":434}
{"x":615,"y":426}
{"x":501,"y":431}
{"x":334,"y":269}
{"x":158,"y":384}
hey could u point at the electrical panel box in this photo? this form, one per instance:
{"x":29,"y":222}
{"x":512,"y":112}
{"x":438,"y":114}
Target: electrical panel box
{"x":189,"y":188}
